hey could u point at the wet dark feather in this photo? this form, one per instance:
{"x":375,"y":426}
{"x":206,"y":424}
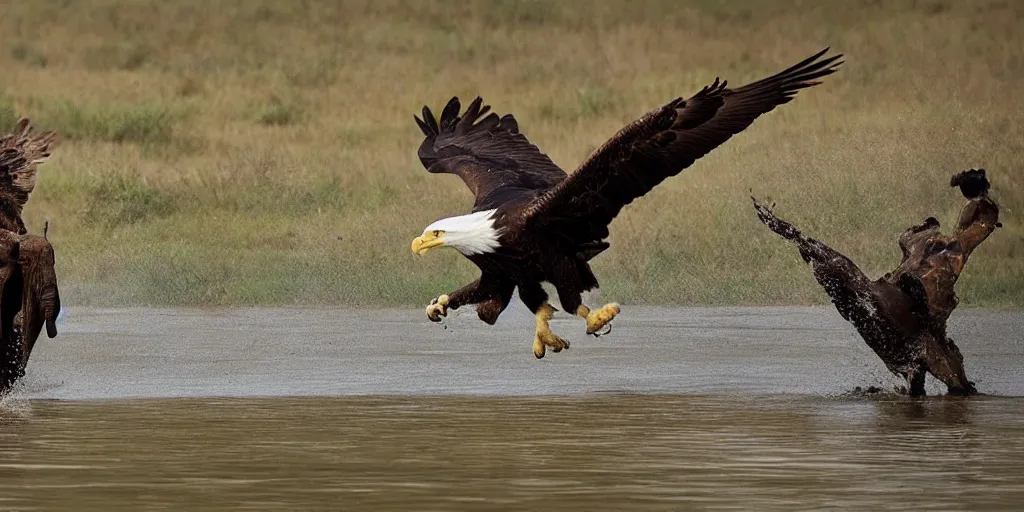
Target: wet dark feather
{"x":29,"y":300}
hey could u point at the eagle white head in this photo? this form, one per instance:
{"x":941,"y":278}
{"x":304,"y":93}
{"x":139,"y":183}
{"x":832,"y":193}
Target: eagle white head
{"x":469,"y":234}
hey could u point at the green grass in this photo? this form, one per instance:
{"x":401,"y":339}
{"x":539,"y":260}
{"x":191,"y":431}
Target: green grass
{"x":138,"y":124}
{"x":116,"y":199}
{"x":260,"y":152}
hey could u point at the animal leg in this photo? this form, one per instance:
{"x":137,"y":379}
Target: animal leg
{"x":575,"y":278}
{"x":545,"y":337}
{"x":535,"y":298}
{"x":478,"y":291}
{"x":598,"y":318}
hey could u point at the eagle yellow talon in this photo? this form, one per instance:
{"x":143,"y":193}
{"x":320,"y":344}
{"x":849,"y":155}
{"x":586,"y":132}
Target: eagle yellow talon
{"x":545,"y":338}
{"x":437,"y":308}
{"x":538,"y":348}
{"x":598,"y":318}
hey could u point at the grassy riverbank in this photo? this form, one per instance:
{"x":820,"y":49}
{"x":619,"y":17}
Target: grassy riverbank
{"x":263,"y":152}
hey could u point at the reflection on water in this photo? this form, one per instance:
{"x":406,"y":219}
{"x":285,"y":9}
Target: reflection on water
{"x":620,"y":452}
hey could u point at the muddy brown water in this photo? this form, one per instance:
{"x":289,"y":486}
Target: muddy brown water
{"x":676,"y":409}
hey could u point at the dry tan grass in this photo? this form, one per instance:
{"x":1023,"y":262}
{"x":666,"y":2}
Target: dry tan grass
{"x":248,"y":152}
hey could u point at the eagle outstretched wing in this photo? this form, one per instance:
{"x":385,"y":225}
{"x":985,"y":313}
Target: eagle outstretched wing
{"x":661,"y":144}
{"x":20,"y":153}
{"x":489,"y":153}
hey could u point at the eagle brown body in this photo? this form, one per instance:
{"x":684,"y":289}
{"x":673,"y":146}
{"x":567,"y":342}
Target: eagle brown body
{"x":29,"y":298}
{"x":534,"y":223}
{"x":902,"y":315}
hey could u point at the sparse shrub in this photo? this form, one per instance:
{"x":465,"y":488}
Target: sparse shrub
{"x":589,"y":102}
{"x":172,"y":279}
{"x":278,"y":112}
{"x":117,"y":199}
{"x":127,"y":56}
{"x":327,"y":193}
{"x":134,"y":57}
{"x":140,"y":124}
{"x":267,"y":14}
{"x":595,"y":101}
{"x":23,"y":52}
{"x":322,"y":73}
{"x":525,"y":12}
{"x":189,"y":87}
{"x":20,"y":51}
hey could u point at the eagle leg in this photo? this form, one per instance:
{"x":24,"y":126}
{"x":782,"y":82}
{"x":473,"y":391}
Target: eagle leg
{"x":598,"y":318}
{"x":544,"y":337}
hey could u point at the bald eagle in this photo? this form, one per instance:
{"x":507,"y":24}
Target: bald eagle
{"x":533,"y":223}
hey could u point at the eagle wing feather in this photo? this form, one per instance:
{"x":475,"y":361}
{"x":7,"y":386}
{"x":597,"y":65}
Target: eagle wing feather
{"x":661,"y":144}
{"x":494,"y":159}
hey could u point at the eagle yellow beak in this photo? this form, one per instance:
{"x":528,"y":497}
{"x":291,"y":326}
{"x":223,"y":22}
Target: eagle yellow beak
{"x":427,"y":241}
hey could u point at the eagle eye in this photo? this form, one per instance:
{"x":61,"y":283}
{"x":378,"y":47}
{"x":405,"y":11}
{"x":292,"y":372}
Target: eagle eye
{"x":437,"y":233}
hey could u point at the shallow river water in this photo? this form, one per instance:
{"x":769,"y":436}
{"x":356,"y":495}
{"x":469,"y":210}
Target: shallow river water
{"x":676,"y":409}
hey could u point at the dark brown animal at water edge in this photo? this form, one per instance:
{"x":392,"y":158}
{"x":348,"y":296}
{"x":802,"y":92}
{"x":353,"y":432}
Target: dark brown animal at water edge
{"x":902,"y":315}
{"x":29,"y":298}
{"x":533,"y":223}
